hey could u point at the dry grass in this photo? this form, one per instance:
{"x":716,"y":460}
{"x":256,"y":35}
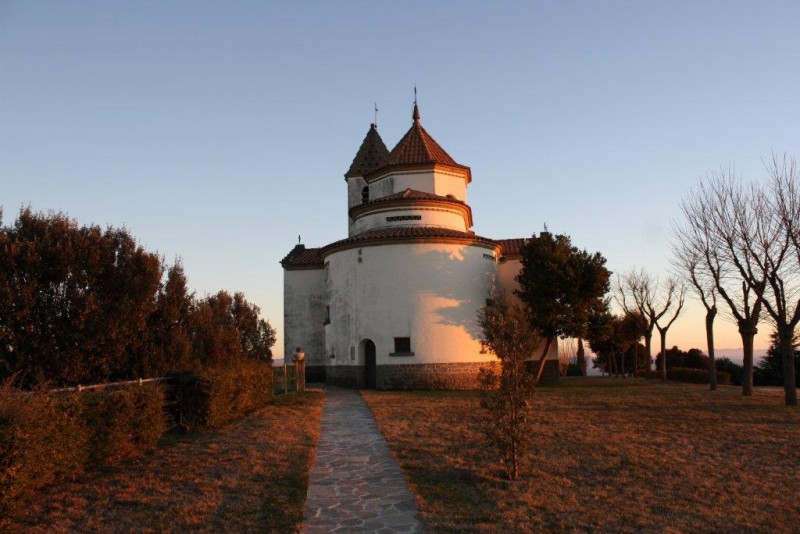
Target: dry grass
{"x":609,"y":455}
{"x":248,"y":476}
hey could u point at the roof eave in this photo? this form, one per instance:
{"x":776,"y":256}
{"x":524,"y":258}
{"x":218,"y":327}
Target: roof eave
{"x":381,"y":171}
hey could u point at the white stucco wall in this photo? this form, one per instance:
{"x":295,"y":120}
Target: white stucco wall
{"x":304,"y":301}
{"x":437,"y":182}
{"x":429,"y":292}
{"x":355,"y":185}
{"x":430,"y":216}
{"x":508,"y":271}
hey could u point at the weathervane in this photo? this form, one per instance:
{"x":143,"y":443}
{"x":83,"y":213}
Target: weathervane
{"x":376,"y":115}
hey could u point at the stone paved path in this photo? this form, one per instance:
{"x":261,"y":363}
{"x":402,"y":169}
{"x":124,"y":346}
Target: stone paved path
{"x":355,"y":485}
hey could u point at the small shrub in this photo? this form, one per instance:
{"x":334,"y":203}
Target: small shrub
{"x":43,"y":439}
{"x":214,"y":396}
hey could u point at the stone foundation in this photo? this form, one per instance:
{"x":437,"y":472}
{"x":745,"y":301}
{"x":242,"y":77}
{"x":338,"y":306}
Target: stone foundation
{"x":346,"y":376}
{"x":426,"y":376}
{"x":550,"y":375}
{"x":315,"y":373}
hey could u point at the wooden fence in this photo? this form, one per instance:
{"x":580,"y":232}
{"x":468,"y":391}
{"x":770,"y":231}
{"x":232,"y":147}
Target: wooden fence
{"x":289,"y":378}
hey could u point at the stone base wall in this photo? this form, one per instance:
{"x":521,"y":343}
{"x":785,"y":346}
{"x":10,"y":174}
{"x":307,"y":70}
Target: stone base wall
{"x":426,"y":376}
{"x":346,"y":376}
{"x":315,"y":373}
{"x":550,"y":375}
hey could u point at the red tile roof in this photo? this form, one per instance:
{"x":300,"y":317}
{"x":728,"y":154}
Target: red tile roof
{"x":407,"y":233}
{"x":413,"y":194}
{"x":408,"y":195}
{"x":415,"y":148}
{"x":303,"y":258}
{"x":312,"y":258}
{"x":369,"y":155}
{"x":511,"y":246}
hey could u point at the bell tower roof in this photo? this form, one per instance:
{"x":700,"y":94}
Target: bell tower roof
{"x":417,"y":147}
{"x":369,"y":155}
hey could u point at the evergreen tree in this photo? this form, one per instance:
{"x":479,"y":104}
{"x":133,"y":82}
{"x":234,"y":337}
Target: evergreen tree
{"x":769,"y":371}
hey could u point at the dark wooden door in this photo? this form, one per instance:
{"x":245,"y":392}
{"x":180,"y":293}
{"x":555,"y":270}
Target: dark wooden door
{"x":370,"y":371}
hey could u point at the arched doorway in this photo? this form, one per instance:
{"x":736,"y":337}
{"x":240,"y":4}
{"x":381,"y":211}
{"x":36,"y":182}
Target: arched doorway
{"x":370,"y":366}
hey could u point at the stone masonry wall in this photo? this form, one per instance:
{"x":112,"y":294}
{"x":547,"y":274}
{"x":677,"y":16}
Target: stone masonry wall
{"x":315,"y":373}
{"x":425,"y":376}
{"x":346,"y":376}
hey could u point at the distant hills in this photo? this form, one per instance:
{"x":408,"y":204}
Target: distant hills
{"x":736,"y":354}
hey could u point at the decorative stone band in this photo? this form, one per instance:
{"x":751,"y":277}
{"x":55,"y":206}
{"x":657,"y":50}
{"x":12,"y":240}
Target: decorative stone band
{"x":411,"y":198}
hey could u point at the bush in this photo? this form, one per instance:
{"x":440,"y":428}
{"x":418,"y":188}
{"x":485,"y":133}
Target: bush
{"x":690,"y":375}
{"x":733,"y":369}
{"x":47,"y":438}
{"x":214,"y":396}
{"x":574,"y":369}
{"x":43,"y":439}
{"x":124,"y":422}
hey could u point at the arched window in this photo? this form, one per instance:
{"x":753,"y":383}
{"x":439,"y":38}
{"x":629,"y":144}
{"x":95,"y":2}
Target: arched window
{"x":365,"y":194}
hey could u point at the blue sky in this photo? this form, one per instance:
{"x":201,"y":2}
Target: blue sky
{"x":218,"y":131}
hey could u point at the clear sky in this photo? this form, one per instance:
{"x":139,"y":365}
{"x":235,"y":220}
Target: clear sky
{"x":217,"y":132}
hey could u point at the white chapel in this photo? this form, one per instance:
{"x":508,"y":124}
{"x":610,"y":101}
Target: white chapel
{"x":395,"y":303}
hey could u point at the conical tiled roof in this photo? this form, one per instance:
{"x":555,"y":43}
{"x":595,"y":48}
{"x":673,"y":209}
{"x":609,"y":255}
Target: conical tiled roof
{"x":371,"y":153}
{"x":417,"y":147}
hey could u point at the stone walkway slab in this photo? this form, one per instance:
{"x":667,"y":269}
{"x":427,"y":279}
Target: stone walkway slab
{"x":355,"y":485}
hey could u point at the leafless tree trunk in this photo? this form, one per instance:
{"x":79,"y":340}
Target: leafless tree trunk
{"x":674,"y":293}
{"x":581,"y":355}
{"x":689,"y":264}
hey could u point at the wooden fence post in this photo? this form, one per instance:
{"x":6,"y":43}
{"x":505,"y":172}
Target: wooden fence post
{"x":301,"y":375}
{"x":285,"y":381}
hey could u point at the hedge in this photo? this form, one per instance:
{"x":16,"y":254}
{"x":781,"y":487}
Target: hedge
{"x":690,"y":375}
{"x":212,"y":397}
{"x":46,"y":438}
{"x":124,"y":422}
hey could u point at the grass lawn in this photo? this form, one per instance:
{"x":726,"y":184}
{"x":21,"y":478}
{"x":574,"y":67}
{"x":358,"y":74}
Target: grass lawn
{"x":609,"y":455}
{"x":248,"y":476}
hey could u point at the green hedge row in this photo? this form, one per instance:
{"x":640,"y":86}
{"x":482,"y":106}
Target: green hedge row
{"x":50,"y":437}
{"x":690,"y":375}
{"x":45,"y":438}
{"x":212,"y":397}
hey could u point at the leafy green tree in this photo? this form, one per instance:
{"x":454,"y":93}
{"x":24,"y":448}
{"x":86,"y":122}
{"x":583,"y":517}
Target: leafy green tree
{"x":169,"y":349}
{"x":74,"y":301}
{"x":692,"y":359}
{"x":615,"y":339}
{"x":561,"y":286}
{"x":226,"y":329}
{"x":508,"y":396}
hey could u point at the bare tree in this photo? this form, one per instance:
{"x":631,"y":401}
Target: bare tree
{"x":779,"y":252}
{"x":691,"y":267}
{"x":639,"y":291}
{"x":721,"y":229}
